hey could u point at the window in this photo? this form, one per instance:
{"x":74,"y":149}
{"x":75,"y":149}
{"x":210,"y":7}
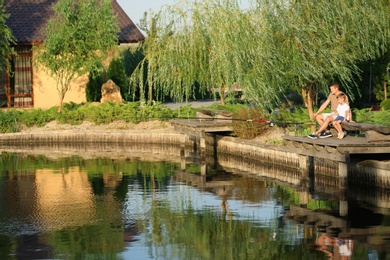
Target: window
{"x":16,"y":86}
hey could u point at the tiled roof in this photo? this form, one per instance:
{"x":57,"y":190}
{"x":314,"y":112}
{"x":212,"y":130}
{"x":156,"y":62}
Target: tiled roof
{"x":28,"y":17}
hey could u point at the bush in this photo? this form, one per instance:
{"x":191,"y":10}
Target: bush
{"x":93,"y":91}
{"x":249,"y":130}
{"x":116,"y":72}
{"x":9,"y":121}
{"x":385,"y":104}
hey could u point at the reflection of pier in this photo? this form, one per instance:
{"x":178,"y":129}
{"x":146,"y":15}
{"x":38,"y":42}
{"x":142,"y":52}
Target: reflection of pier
{"x":219,"y":185}
{"x":376,"y":236}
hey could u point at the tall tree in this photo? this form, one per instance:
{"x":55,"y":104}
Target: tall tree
{"x":272,"y":46}
{"x":321,"y":41}
{"x":79,"y":36}
{"x":6,"y":39}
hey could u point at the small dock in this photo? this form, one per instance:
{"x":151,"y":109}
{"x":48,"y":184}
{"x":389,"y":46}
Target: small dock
{"x":345,"y":152}
{"x":202,"y":125}
{"x":336,"y":149}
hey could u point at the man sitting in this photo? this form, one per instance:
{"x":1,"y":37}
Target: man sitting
{"x":332,"y":100}
{"x":337,"y":117}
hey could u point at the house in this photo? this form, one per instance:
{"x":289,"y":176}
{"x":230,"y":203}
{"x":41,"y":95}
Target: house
{"x":27,"y":87}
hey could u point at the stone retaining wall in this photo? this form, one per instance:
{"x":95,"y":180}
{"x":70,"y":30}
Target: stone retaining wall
{"x":96,"y":137}
{"x":374,"y":173}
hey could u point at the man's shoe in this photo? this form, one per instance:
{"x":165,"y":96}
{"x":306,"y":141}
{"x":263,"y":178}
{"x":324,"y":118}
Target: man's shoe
{"x":313,"y":136}
{"x":325,"y":135}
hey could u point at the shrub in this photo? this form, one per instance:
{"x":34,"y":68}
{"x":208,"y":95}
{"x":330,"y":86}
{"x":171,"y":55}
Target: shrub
{"x":385,"y":104}
{"x":38,"y":117}
{"x":116,"y":72}
{"x":245,"y":129}
{"x":9,"y":121}
{"x":93,"y":90}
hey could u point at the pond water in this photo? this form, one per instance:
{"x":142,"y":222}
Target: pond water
{"x":132,"y":208}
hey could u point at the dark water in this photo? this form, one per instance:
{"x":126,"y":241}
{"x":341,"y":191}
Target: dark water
{"x":126,"y":208}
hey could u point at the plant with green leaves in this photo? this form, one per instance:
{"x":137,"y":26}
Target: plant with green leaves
{"x":93,"y":91}
{"x":116,"y":72}
{"x":269,"y":49}
{"x":78,"y":36}
{"x":6,"y":39}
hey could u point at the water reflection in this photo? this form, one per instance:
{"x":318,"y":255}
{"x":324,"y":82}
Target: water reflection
{"x":127,"y":208}
{"x":334,"y":247}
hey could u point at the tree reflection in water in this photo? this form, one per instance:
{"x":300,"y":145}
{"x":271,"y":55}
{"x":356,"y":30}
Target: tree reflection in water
{"x":128,"y":208}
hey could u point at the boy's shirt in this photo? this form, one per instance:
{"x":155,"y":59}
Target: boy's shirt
{"x":342,"y":110}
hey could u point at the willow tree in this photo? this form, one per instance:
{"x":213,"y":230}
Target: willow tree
{"x":6,"y":39}
{"x":272,"y":46}
{"x":316,"y":42}
{"x":184,"y":50}
{"x":78,"y":36}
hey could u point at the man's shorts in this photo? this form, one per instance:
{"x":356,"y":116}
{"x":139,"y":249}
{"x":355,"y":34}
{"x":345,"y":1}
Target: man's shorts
{"x":325,"y":115}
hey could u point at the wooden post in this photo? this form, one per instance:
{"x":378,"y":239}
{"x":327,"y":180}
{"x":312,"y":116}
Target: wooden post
{"x":182,"y":158}
{"x":203,"y":169}
{"x":305,"y":163}
{"x":343,"y":204}
{"x":343,"y":174}
{"x":202,"y":141}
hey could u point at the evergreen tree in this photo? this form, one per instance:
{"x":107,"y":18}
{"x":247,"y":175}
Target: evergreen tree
{"x":6,"y":39}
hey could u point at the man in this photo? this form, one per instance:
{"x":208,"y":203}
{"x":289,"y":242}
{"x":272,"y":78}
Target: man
{"x":332,"y":99}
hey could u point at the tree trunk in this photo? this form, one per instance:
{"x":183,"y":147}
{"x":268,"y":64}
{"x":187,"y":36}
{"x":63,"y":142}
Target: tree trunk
{"x":61,"y":102}
{"x":385,"y":89}
{"x":308,"y":100}
{"x":222,"y":93}
{"x":150,"y":93}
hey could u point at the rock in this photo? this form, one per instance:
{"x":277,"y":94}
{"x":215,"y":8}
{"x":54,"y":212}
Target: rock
{"x":111,"y":93}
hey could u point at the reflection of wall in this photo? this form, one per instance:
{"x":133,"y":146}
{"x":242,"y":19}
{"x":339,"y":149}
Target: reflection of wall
{"x":64,"y":199}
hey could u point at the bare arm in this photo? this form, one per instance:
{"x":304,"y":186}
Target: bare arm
{"x":322,"y":107}
{"x":350,"y":116}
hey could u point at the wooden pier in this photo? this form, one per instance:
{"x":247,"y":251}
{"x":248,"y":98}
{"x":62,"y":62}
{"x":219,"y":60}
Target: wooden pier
{"x":344,"y":153}
{"x":337,"y":150}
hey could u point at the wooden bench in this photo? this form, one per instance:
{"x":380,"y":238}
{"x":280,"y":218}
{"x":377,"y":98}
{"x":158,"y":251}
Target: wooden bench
{"x":373,"y":133}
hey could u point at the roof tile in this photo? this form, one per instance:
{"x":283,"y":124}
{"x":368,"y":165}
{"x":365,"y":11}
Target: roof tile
{"x":29,"y":17}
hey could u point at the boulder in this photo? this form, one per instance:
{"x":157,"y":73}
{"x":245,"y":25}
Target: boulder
{"x":111,"y":93}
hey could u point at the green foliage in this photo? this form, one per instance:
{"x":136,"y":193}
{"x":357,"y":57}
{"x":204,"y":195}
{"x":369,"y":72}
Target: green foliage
{"x":132,"y":56}
{"x":275,"y":46}
{"x":134,"y":112}
{"x":37,"y":117}
{"x":116,"y":72}
{"x":385,"y":104}
{"x":9,"y":121}
{"x":6,"y":39}
{"x":93,"y":89}
{"x":372,"y":117}
{"x":78,"y":37}
{"x":294,"y":119}
{"x":185,"y":111}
